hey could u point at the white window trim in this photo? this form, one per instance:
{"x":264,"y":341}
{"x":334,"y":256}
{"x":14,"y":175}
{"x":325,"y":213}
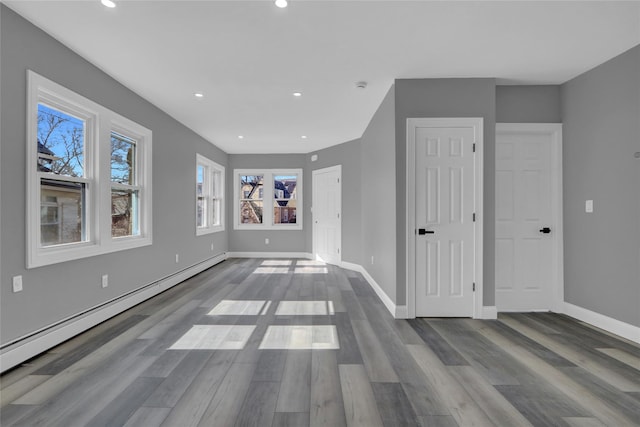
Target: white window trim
{"x":212,"y":168}
{"x":100,"y":122}
{"x":268,"y":192}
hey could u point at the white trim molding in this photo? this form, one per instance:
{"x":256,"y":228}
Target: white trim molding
{"x":391,"y":306}
{"x":489,"y":312}
{"x":25,"y":348}
{"x":298,"y":255}
{"x":601,"y":321}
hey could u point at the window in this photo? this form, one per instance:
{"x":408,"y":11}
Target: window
{"x":253,"y":191}
{"x":81,"y":200}
{"x":209,"y":196}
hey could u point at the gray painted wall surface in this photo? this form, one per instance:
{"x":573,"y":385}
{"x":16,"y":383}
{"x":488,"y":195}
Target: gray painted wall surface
{"x":601,"y":133}
{"x":279,"y":240}
{"x":347,"y":155}
{"x":528,"y":104}
{"x":447,"y":98}
{"x":378,"y":204}
{"x":54,"y":292}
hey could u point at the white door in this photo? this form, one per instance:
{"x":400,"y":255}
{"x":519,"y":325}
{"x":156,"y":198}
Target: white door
{"x":444,"y":212}
{"x":327,"y":224}
{"x":527,"y":220}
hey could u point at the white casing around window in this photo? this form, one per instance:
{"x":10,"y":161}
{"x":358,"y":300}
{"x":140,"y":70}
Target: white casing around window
{"x":268,"y":196}
{"x":214,"y":188}
{"x":100,"y":122}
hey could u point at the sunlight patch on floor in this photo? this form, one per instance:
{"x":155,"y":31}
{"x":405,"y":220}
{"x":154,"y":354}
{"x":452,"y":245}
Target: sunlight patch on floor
{"x":301,"y":337}
{"x":214,"y":337}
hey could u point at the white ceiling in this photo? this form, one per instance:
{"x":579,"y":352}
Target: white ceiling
{"x":248,"y":57}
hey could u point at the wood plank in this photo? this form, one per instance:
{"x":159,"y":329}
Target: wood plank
{"x":443,"y":350}
{"x":148,"y":417}
{"x":270,"y":365}
{"x":349,"y":352}
{"x":579,"y":358}
{"x":461,"y":406}
{"x":582,"y":422}
{"x":326,"y":404}
{"x":438,"y":421}
{"x":295,"y":387}
{"x":359,"y":402}
{"x":20,"y":387}
{"x":193,"y":403}
{"x":126,"y":404}
{"x":622,"y":356}
{"x":259,"y":404}
{"x":290,"y":419}
{"x":393,"y":405}
{"x":169,"y":392}
{"x":497,"y":408}
{"x":375,"y":360}
{"x":226,"y":403}
{"x":558,"y":379}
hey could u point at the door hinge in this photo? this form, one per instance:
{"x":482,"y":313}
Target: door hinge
{"x":338,"y":250}
{"x":338,"y":215}
{"x":474,"y":147}
{"x":474,"y":286}
{"x":474,"y":217}
{"x":338,"y":180}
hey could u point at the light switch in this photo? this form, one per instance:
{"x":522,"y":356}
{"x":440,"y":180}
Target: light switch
{"x":588,"y":206}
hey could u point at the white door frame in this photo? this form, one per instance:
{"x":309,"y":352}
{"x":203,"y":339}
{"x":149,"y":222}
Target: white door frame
{"x":338,"y":169}
{"x":412,"y":124}
{"x":557,"y":267}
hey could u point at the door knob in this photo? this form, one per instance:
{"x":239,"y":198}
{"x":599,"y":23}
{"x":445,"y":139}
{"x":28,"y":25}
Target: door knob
{"x":545,"y":230}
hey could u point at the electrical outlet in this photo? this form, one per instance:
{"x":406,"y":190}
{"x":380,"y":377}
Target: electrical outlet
{"x":17,"y":283}
{"x":212,"y":247}
{"x":105,"y":280}
{"x":177,"y":258}
{"x":371,"y":259}
{"x":588,"y":206}
{"x":266,"y":241}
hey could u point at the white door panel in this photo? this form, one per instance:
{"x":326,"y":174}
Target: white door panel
{"x":327,"y":221}
{"x":526,"y":257}
{"x":444,"y":202}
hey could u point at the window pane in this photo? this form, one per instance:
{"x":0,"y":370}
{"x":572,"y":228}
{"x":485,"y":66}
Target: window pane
{"x":215,"y":213}
{"x":284,"y":211}
{"x":124,"y":213}
{"x":251,"y":212}
{"x":285,"y":186}
{"x":60,"y":142}
{"x":61,"y":212}
{"x":201,"y":211}
{"x":251,"y":186}
{"x":123,"y":159}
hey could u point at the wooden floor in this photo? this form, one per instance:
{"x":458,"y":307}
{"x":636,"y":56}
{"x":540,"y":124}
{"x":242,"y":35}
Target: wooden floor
{"x":523,"y":369}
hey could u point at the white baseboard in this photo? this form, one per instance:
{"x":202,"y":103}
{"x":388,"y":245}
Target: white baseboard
{"x":391,"y":306}
{"x":50,"y":336}
{"x":304,"y":255}
{"x":489,"y":312}
{"x":601,"y":321}
{"x":402,"y":312}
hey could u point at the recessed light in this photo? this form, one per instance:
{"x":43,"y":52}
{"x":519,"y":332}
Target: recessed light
{"x":198,"y":95}
{"x":297,"y":94}
{"x":108,"y":3}
{"x":281,"y":3}
{"x":240,"y":136}
{"x":304,"y":137}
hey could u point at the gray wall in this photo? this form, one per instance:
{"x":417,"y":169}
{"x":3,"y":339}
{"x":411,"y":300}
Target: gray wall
{"x":528,"y":104}
{"x":378,"y":202}
{"x":279,"y":240}
{"x":347,"y":155}
{"x":601,"y":133}
{"x":54,"y":292}
{"x":447,"y":98}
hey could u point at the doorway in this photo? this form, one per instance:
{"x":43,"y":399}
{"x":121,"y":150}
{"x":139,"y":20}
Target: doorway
{"x":528,"y":241}
{"x":326,"y":212}
{"x":444,"y":217}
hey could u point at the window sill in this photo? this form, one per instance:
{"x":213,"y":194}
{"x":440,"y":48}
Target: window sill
{"x":208,"y":230}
